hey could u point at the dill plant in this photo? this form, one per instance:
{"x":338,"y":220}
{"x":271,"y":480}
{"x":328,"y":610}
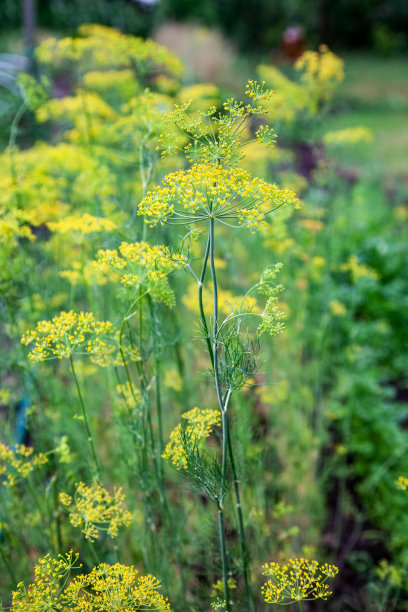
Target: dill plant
{"x":215,"y":190}
{"x":103,"y":161}
{"x":101,"y":258}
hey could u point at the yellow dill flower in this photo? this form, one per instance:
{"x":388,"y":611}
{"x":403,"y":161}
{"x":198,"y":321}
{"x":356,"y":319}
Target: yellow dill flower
{"x":82,"y":224}
{"x":197,"y":426}
{"x":106,"y":587}
{"x":12,"y":228}
{"x":100,"y":47}
{"x":140,"y":264}
{"x":172,"y":379}
{"x":298,"y":580}
{"x":5,"y":396}
{"x":211,"y":137}
{"x":206,"y":191}
{"x":322,"y":72}
{"x":46,"y":592}
{"x":17,"y":463}
{"x":228,"y":303}
{"x":86,"y":273}
{"x":337,"y":308}
{"x":202,"y":94}
{"x":402,"y":482}
{"x":129,"y":397}
{"x":51,"y":179}
{"x":217,"y":589}
{"x":94,"y":509}
{"x":349,"y":136}
{"x":72,"y":108}
{"x":69,"y":333}
{"x":115,"y":587}
{"x":121,"y":83}
{"x":358,"y":270}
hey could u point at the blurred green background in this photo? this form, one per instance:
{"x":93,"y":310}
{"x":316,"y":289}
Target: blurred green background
{"x":223,"y":42}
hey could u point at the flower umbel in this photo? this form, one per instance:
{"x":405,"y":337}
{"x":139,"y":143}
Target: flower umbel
{"x":18,"y":462}
{"x":46,"y":592}
{"x":69,"y":333}
{"x":140,"y":264}
{"x":197,"y":426}
{"x":211,"y":191}
{"x":94,"y":509}
{"x":297,"y":580}
{"x":106,"y":587}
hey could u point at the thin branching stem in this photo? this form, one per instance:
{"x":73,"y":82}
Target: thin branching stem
{"x":241,"y":528}
{"x":223,"y":488}
{"x":87,"y":427}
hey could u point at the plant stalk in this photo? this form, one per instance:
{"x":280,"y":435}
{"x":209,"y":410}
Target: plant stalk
{"x":223,"y":489}
{"x":88,"y":430}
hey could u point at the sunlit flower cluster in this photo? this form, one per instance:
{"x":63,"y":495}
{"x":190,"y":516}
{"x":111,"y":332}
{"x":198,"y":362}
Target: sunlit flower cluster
{"x":322,"y":71}
{"x":197,"y":425}
{"x":94,"y":509}
{"x":402,"y":482}
{"x":69,"y":333}
{"x":18,"y":462}
{"x":51,"y":179}
{"x":82,"y":224}
{"x":12,"y":227}
{"x":349,"y":136}
{"x":212,"y":191}
{"x":106,"y":587}
{"x":116,"y":587}
{"x":227,"y":302}
{"x":140,"y":264}
{"x":46,"y":592}
{"x":297,"y":580}
{"x":359,"y":270}
{"x":337,"y":308}
{"x":129,"y":398}
{"x":101,"y":47}
{"x":211,"y":137}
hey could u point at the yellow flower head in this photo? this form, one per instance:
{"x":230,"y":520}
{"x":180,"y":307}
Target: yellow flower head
{"x":18,"y":462}
{"x":297,"y":580}
{"x":94,"y":509}
{"x":140,"y":264}
{"x":230,"y":195}
{"x":102,"y":47}
{"x":322,"y":72}
{"x":82,"y":225}
{"x":197,"y":426}
{"x":46,"y":592}
{"x":69,"y":333}
{"x":105,"y":587}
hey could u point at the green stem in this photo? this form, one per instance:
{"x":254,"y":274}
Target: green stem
{"x":215,"y":322}
{"x":222,"y":493}
{"x":88,"y":430}
{"x":200,"y":302}
{"x":130,"y":313}
{"x":300,"y":606}
{"x":8,"y":566}
{"x":57,"y":518}
{"x":241,"y":529}
{"x":157,"y":379}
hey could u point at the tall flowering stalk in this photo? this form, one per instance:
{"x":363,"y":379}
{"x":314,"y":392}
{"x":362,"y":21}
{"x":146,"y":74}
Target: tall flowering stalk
{"x":215,"y":190}
{"x":67,"y":334}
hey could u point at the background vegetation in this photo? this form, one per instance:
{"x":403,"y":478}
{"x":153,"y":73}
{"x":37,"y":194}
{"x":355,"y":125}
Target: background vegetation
{"x":319,"y":427}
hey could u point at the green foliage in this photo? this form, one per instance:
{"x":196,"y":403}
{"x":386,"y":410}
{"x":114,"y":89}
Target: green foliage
{"x":135,"y":259}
